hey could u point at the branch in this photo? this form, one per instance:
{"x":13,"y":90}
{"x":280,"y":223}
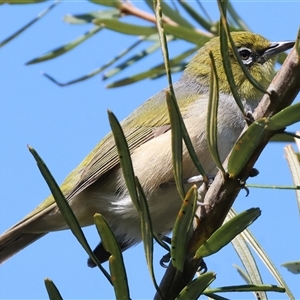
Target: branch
{"x":128,"y":9}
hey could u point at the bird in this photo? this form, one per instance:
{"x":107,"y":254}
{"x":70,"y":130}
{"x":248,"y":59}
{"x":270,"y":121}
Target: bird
{"x":97,"y":184}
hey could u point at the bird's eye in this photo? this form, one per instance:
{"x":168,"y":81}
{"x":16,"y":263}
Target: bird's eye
{"x":245,"y":54}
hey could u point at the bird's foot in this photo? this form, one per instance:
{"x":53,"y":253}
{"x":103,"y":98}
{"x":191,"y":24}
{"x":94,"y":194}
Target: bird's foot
{"x":165,"y":260}
{"x":203,"y":267}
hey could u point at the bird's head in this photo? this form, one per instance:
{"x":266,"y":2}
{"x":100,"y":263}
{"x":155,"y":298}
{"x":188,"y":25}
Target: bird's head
{"x":257,"y":54}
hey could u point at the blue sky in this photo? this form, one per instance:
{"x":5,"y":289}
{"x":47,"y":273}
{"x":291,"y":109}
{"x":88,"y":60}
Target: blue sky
{"x":64,"y":124}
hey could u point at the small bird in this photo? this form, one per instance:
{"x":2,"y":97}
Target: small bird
{"x":97,"y":184}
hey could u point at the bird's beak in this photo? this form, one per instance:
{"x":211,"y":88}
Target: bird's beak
{"x":276,"y":48}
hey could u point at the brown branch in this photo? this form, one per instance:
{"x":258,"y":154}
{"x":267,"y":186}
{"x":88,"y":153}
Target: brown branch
{"x":223,"y":192}
{"x":128,"y":9}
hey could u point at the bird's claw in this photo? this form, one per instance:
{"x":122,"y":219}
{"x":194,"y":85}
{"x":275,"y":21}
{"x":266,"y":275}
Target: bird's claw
{"x":242,"y":184}
{"x":164,"y":260}
{"x":202,"y":268}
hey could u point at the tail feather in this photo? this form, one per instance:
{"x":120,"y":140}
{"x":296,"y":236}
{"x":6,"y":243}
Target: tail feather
{"x":25,"y":232}
{"x":13,"y":241}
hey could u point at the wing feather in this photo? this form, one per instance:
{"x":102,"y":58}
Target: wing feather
{"x":148,"y":121}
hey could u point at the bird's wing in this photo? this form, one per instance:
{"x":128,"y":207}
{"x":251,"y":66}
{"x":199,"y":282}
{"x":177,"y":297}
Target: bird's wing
{"x":148,"y":121}
{"x":105,"y":156}
{"x":151,"y":122}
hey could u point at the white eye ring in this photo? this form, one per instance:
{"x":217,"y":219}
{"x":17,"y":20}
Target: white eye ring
{"x":246,"y":55}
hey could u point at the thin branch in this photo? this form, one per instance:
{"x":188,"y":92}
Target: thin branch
{"x":128,"y":9}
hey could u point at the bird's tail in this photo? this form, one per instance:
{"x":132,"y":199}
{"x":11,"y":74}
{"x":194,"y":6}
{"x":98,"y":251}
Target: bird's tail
{"x":29,"y":229}
{"x":14,"y":240}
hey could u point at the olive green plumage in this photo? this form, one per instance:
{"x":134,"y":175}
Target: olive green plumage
{"x":97,"y":184}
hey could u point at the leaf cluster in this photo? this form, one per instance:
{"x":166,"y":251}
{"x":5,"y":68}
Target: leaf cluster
{"x":183,"y":21}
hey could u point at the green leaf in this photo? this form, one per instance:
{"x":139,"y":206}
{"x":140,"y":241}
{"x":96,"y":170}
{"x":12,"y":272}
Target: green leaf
{"x":212,"y":115}
{"x":198,"y":18}
{"x":156,"y":71}
{"x":119,"y":278}
{"x":177,"y":68}
{"x":52,"y":290}
{"x":285,"y":117}
{"x":133,"y":185}
{"x":189,"y":35}
{"x":176,"y":142}
{"x":174,"y":15}
{"x":245,"y":288}
{"x":108,"y":238}
{"x":112,"y":3}
{"x":227,"y":64}
{"x":244,"y":274}
{"x":163,"y":43}
{"x":67,"y":47}
{"x":116,"y":264}
{"x":172,"y":106}
{"x":176,"y":110}
{"x":294,"y":166}
{"x":125,"y":28}
{"x":98,"y":70}
{"x":214,"y":296}
{"x":245,"y":146}
{"x":227,"y":232}
{"x":147,"y":232}
{"x":65,"y":210}
{"x":297,"y":44}
{"x":195,"y":289}
{"x":263,"y":256}
{"x":251,"y":274}
{"x":124,"y":156}
{"x":182,"y":226}
{"x":226,"y":30}
{"x":89,"y":17}
{"x":293,"y":266}
{"x":282,"y":137}
{"x":132,"y":60}
{"x":43,"y":13}
{"x":138,"y":77}
{"x":153,"y":73}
